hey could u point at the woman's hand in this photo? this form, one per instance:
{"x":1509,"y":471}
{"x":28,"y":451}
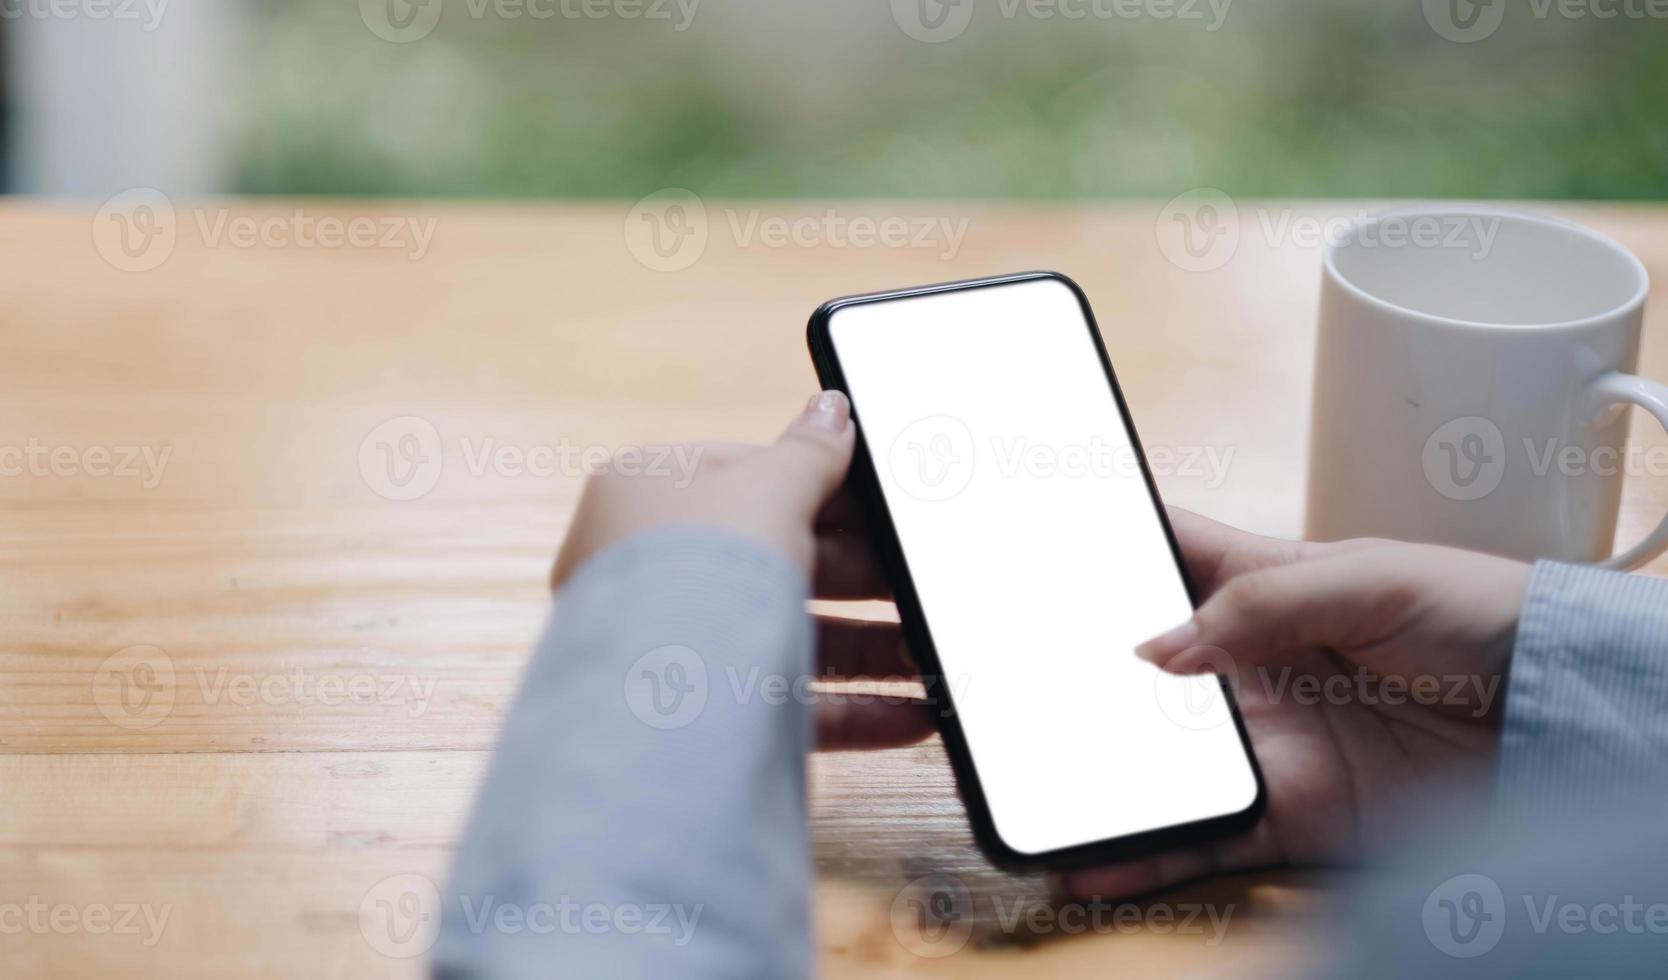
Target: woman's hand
{"x":786,"y":496}
{"x":768,"y":493}
{"x":1370,"y":676}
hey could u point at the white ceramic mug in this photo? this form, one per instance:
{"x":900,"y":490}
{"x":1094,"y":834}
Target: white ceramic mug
{"x":1470,"y":370}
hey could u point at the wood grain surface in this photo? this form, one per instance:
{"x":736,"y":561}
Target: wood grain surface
{"x":243,"y":688}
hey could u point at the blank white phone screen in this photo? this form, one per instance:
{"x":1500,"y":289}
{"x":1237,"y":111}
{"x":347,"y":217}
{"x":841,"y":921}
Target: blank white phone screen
{"x":1040,"y":563}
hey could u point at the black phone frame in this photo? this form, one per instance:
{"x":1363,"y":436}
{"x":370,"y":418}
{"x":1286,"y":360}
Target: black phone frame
{"x":866,"y":487}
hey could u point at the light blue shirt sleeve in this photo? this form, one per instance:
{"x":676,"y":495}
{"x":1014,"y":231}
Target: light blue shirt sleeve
{"x":1587,"y":699}
{"x":645,"y":814}
{"x":1571,"y":879}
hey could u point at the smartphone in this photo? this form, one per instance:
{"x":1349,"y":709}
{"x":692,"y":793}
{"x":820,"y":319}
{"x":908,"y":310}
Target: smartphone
{"x":1029,"y":554}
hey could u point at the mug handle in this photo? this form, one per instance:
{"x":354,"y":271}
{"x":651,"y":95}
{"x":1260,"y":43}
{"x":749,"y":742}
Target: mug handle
{"x":1616,"y":388}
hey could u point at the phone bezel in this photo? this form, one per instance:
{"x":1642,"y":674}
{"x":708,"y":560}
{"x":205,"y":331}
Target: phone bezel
{"x":866,"y":487}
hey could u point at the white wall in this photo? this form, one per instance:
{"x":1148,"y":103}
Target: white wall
{"x":102,"y":104}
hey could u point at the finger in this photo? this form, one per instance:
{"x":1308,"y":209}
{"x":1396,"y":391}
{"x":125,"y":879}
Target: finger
{"x":1348,"y":599}
{"x":576,"y":542}
{"x":1215,"y":552}
{"x":861,"y":648}
{"x":868,"y":721}
{"x":1255,"y":849}
{"x":810,"y":459}
{"x":718,"y":455}
{"x":842,"y":512}
{"x":847,"y":568}
{"x":1140,"y":876}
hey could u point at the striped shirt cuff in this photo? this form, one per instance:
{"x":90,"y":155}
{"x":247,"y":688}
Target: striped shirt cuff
{"x":1587,"y":702}
{"x":650,"y":773}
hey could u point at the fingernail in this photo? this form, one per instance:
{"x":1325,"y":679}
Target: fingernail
{"x":1164,"y":647}
{"x":828,"y":410}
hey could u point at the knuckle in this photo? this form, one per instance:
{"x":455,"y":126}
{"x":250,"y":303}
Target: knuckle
{"x":1249,"y":595}
{"x":805,"y":437}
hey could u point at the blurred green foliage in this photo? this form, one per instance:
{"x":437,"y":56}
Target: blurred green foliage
{"x":831,"y":98}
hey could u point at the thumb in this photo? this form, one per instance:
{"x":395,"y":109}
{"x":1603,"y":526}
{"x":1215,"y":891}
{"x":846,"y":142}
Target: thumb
{"x":1272,"y":614}
{"x":811,"y":457}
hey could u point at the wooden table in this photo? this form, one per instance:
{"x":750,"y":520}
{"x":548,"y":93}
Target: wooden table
{"x":327,"y":667}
